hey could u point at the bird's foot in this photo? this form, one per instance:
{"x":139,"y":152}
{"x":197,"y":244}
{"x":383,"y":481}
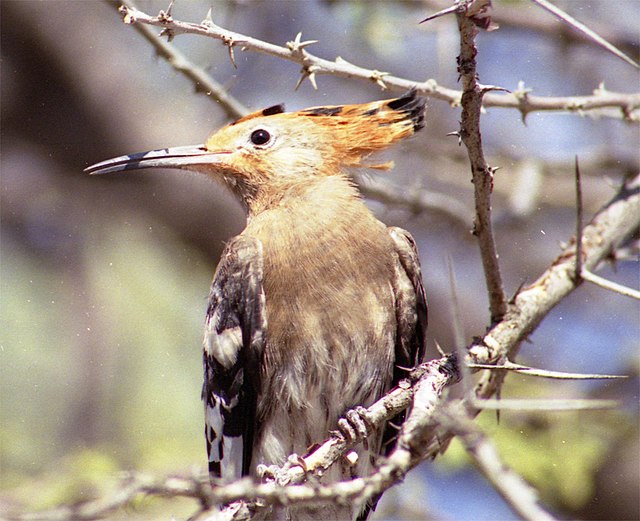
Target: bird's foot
{"x":281,"y":475}
{"x":267,"y":472}
{"x":355,"y":426}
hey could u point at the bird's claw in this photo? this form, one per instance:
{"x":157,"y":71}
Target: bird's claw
{"x":355,"y":425}
{"x":267,"y":472}
{"x":280,"y":475}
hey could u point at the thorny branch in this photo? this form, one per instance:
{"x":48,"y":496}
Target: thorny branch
{"x":627,"y":106}
{"x":202,"y":81}
{"x":513,"y":15}
{"x":580,"y":27}
{"x":607,"y":230}
{"x":482,"y":173}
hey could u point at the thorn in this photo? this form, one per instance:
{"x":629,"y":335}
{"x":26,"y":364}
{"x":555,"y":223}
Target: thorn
{"x":601,"y":90}
{"x":231,"y":56}
{"x":448,"y":10}
{"x":127,"y":15}
{"x":341,"y":61}
{"x":208,"y":20}
{"x":302,"y":77}
{"x":229,"y":41}
{"x":457,"y":134}
{"x":297,"y":45}
{"x":165,"y":16}
{"x":312,"y":79}
{"x":308,"y":72}
{"x":520,"y":287}
{"x":579,"y":228}
{"x":489,"y":88}
{"x":521,"y":91}
{"x":378,"y":76}
{"x":168,"y":33}
{"x":521,"y":94}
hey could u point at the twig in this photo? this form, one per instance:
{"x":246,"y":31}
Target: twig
{"x":482,"y":173}
{"x":607,"y":284}
{"x":438,"y":374}
{"x":569,"y":20}
{"x":627,"y":105}
{"x":454,"y":307}
{"x":545,"y":404}
{"x":417,"y":200}
{"x":518,"y":494}
{"x":513,"y":15}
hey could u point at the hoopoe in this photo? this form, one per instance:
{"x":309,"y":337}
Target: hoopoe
{"x":316,"y":307}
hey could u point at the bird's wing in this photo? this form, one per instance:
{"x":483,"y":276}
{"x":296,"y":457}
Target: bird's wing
{"x":233,"y":341}
{"x":411,"y":319}
{"x":411,"y":304}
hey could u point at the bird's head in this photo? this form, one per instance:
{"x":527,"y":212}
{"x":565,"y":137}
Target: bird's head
{"x":270,"y":150}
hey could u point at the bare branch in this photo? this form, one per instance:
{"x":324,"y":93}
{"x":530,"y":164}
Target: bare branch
{"x":545,"y":404}
{"x":415,"y":200}
{"x":482,"y":173}
{"x":578,"y":220}
{"x":438,"y":374}
{"x":627,"y":105}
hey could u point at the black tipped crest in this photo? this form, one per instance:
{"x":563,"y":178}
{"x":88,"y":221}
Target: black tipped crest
{"x":412,"y":105}
{"x":324,"y":111}
{"x":275,"y":109}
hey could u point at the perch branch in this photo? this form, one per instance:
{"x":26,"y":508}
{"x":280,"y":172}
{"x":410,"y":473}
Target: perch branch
{"x":424,"y":387}
{"x":579,"y":26}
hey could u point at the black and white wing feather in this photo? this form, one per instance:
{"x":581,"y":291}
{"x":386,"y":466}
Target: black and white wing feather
{"x":233,"y":342}
{"x":411,"y":304}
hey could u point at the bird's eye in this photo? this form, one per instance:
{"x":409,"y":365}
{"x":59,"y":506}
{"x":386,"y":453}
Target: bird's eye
{"x":260,"y":137}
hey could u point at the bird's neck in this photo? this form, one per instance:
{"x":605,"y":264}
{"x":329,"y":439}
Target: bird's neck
{"x":309,"y":200}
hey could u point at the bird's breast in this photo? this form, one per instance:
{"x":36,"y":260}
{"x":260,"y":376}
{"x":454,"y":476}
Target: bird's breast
{"x":331,"y":320}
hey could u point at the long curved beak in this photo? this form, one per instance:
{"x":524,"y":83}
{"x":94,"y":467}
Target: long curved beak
{"x":177,"y":157}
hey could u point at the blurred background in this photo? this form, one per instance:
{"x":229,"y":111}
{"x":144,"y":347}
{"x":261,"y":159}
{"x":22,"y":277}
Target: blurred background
{"x":104,"y":280}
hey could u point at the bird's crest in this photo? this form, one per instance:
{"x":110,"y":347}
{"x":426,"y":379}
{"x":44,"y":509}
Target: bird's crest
{"x":344,"y":134}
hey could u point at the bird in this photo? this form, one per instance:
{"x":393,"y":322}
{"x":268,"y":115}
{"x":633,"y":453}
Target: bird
{"x":316,"y":307}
